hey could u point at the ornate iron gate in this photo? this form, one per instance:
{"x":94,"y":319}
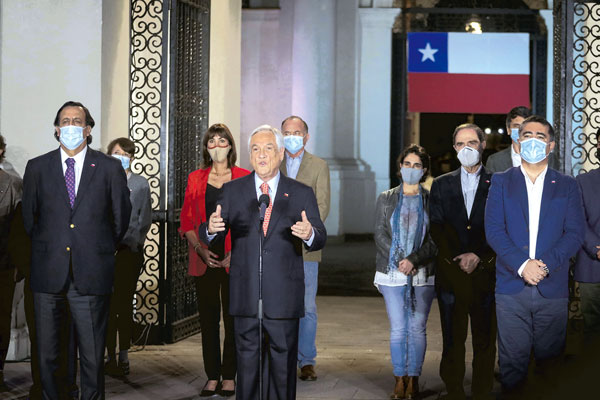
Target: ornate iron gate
{"x":576,"y":108}
{"x":169,"y":41}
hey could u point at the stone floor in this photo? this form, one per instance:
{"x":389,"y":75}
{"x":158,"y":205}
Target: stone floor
{"x":353,"y":360}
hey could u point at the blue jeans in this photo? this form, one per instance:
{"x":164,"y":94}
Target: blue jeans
{"x":528,"y":320}
{"x":307,"y":349}
{"x":408,"y":339}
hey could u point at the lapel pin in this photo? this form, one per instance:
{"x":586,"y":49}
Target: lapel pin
{"x":92,"y":165}
{"x":487,"y":181}
{"x":286,"y":195}
{"x":553,"y":181}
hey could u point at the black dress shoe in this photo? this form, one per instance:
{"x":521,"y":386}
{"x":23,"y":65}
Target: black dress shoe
{"x":226,"y":393}
{"x":207,"y":393}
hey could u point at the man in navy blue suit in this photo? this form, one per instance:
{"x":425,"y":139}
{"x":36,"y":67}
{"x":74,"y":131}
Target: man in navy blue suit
{"x":76,"y":210}
{"x":291,"y":221}
{"x":534,"y":221}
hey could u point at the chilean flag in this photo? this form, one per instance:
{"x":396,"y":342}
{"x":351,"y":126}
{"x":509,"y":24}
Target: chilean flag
{"x":459,"y":72}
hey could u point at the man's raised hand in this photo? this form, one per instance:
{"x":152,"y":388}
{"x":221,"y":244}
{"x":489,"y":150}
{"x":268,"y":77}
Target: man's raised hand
{"x":215,"y":222}
{"x":302,"y":228}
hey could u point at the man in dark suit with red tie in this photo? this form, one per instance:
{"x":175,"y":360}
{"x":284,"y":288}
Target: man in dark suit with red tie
{"x":291,"y":221}
{"x":76,"y":210}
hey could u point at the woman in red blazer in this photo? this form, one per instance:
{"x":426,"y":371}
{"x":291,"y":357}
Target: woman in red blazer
{"x":210,"y":265}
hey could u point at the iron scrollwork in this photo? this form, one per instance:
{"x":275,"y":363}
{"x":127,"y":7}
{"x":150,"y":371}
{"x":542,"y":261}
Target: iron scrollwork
{"x":145,"y":113}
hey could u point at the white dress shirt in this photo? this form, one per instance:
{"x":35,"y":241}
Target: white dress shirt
{"x":469,"y":182}
{"x":292,"y":165}
{"x":79,"y":159}
{"x":515,"y":157}
{"x":534,"y":203}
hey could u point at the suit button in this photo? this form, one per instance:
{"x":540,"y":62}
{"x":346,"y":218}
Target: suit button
{"x":72,"y":226}
{"x":68,"y":248}
{"x":468,"y":227}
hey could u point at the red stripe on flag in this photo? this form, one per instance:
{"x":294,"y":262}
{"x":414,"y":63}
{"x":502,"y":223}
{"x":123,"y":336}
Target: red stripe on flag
{"x":466,"y":93}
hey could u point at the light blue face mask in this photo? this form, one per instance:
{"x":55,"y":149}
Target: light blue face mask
{"x":293,"y":143}
{"x":125,"y":161}
{"x":71,"y":136}
{"x":514,"y":134}
{"x":533,"y":150}
{"x":411,"y":176}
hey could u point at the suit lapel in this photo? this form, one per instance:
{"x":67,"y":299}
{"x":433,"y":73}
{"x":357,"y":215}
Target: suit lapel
{"x":280,"y":204}
{"x":89,"y":168}
{"x":4,"y":185}
{"x":456,"y":190}
{"x":304,"y":165}
{"x":550,"y":183}
{"x":481,"y":193}
{"x":518,"y":187}
{"x":58,"y":176}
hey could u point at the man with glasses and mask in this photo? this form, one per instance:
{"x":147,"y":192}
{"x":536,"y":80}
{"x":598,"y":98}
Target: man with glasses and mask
{"x":534,"y":221}
{"x":465,"y":267}
{"x":312,"y":171}
{"x":76,"y":210}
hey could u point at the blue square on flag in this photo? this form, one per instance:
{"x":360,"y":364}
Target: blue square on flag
{"x":427,"y":52}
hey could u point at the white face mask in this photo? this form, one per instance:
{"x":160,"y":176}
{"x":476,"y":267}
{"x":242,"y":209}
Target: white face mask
{"x":468,"y":156}
{"x":219,"y":154}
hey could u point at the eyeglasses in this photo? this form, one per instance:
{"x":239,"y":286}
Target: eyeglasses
{"x":295,"y":133}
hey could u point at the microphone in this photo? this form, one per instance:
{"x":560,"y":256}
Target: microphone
{"x":263,"y":203}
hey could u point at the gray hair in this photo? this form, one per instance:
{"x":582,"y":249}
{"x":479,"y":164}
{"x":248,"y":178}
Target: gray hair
{"x":268,"y":128}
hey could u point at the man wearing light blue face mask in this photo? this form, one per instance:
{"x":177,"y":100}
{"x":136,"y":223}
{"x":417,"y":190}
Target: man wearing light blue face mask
{"x":509,"y":157}
{"x":76,"y":210}
{"x":312,"y":171}
{"x":534,"y":220}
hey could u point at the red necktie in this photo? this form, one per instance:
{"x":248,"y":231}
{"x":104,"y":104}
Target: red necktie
{"x":265,"y":189}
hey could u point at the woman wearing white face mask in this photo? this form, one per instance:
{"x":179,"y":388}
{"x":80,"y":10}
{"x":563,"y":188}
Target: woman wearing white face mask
{"x":129,"y":261}
{"x":405,"y":268}
{"x":210,"y":265}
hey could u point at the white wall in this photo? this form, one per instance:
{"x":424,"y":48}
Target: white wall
{"x":50,"y":53}
{"x":115,"y":71}
{"x":225,"y":65}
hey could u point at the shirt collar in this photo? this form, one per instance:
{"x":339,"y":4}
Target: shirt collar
{"x":273,"y":183}
{"x":464,"y":172}
{"x":540,"y":177}
{"x":79,"y":157}
{"x":299,"y":158}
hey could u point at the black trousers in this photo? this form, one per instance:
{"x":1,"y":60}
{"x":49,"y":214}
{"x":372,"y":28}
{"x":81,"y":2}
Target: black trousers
{"x":212,"y":293}
{"x":128,"y":265}
{"x":89,"y":316}
{"x":7,"y":290}
{"x":280,"y":350}
{"x":456,"y":306}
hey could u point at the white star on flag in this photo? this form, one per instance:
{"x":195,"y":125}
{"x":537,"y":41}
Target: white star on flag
{"x":428,"y":53}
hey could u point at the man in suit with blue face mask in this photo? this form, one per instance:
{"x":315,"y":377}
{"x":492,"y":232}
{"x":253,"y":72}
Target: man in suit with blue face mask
{"x":76,"y":209}
{"x":534,"y":221}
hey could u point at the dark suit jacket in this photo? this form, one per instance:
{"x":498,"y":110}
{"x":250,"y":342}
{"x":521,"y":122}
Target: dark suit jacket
{"x":283,"y":268}
{"x":560,"y":231}
{"x":587,"y":267}
{"x":87,"y":234}
{"x":454,"y":233}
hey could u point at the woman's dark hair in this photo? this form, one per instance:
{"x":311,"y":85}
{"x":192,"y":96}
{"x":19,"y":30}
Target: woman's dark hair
{"x":89,"y":121}
{"x":218,"y":130}
{"x":421,"y":153}
{"x":127,"y":145}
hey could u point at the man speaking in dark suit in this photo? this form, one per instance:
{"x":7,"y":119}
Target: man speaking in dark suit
{"x":76,"y":210}
{"x":291,"y":221}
